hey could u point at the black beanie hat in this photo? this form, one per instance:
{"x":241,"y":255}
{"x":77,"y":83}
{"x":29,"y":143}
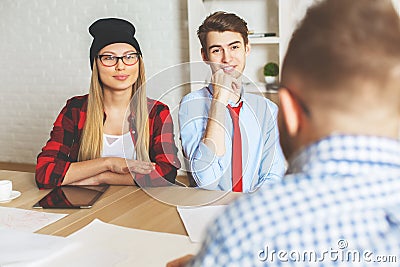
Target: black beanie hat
{"x":109,"y":31}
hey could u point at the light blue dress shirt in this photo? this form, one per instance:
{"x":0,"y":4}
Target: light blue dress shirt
{"x":262,"y":156}
{"x":339,"y":206}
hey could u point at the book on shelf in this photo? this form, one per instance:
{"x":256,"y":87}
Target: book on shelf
{"x":261,"y":35}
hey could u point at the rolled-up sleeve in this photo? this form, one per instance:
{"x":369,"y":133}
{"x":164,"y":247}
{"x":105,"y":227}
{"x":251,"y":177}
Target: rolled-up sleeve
{"x":62,"y":147}
{"x":163,"y":150}
{"x":207,"y":168}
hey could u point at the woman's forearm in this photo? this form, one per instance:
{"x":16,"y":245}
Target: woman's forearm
{"x":111,"y":170}
{"x":107,"y":178}
{"x":78,"y":171}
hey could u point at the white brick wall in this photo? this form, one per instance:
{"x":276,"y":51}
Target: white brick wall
{"x":45,"y":52}
{"x":44,"y":48}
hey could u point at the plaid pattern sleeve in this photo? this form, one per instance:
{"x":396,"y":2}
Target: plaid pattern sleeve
{"x":63,"y":146}
{"x":163,"y":150}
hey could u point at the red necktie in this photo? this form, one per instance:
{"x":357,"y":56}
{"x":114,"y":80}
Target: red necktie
{"x":237,"y":185}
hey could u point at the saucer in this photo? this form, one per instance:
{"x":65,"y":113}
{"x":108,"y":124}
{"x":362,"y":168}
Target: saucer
{"x":14,"y":195}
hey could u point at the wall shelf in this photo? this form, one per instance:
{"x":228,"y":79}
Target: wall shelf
{"x":264,"y":40}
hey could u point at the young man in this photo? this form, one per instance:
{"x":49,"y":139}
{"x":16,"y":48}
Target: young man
{"x":230,"y":138}
{"x":339,"y":116}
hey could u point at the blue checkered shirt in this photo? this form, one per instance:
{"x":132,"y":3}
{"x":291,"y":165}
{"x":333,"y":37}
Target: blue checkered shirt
{"x":338,"y":205}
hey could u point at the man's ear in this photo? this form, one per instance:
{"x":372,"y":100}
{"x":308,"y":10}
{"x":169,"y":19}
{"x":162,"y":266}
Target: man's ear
{"x":248,"y":49}
{"x":291,"y":113}
{"x":204,"y":55}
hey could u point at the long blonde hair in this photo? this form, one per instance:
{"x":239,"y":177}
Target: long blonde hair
{"x":91,"y":143}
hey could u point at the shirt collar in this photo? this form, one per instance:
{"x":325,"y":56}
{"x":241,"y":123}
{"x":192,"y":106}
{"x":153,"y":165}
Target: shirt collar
{"x":336,"y":153}
{"x":231,"y":103}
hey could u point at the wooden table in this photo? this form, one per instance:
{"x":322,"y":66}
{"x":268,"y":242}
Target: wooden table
{"x":128,"y":206}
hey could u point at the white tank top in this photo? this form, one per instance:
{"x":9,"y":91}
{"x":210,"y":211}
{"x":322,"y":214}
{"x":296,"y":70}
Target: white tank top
{"x":120,"y":146}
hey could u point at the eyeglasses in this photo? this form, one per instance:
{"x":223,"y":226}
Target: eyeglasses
{"x":110,"y":60}
{"x":302,"y":105}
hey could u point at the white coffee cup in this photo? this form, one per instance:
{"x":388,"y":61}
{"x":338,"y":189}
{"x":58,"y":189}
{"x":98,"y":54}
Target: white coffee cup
{"x":5,"y":189}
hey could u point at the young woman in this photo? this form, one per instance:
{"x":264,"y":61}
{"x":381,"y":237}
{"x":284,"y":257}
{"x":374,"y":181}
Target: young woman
{"x":115,"y":134}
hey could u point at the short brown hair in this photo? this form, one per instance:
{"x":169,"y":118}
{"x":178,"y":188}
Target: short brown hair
{"x":220,"y":22}
{"x":340,"y":41}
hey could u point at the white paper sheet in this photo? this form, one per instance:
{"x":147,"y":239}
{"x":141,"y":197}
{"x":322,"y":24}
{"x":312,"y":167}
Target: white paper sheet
{"x":142,"y":248}
{"x":197,"y":219}
{"x":23,"y":249}
{"x":26,"y":220}
{"x":80,"y":255}
{"x":18,"y":248}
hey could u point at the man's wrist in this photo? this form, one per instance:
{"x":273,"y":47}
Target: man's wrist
{"x":221,"y":98}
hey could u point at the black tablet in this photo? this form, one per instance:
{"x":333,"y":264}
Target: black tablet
{"x":72,"y":197}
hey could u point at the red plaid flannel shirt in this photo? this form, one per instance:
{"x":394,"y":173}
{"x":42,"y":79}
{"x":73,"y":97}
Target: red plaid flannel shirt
{"x":63,"y":146}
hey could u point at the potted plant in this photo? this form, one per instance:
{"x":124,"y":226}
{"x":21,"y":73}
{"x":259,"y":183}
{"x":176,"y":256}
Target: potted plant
{"x":271,"y":72}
